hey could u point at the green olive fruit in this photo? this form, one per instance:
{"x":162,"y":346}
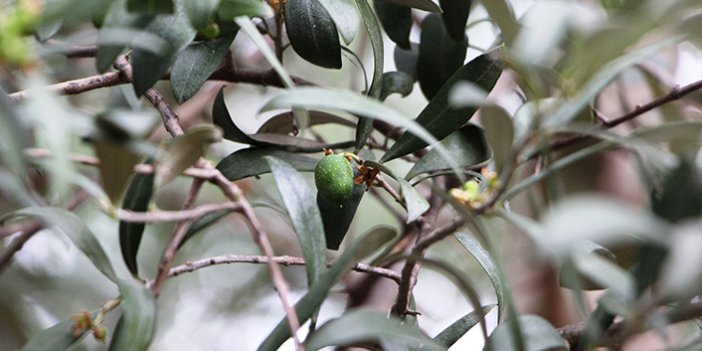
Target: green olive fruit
{"x":333,"y":177}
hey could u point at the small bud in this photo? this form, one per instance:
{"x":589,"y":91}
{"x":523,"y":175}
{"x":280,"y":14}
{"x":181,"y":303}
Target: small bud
{"x":100,"y":333}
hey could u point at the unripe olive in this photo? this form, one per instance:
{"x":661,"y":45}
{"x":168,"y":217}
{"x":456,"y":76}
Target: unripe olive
{"x":333,"y":177}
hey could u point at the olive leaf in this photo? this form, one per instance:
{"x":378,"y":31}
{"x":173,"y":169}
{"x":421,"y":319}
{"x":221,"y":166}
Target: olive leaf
{"x":439,"y":55}
{"x":184,"y":150}
{"x":320,"y":45}
{"x":438,"y":117}
{"x":396,"y":20}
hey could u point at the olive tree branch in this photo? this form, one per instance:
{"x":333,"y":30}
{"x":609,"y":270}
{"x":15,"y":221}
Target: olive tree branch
{"x":623,"y":330}
{"x":29,"y":228}
{"x":675,"y":94}
{"x":410,"y":271}
{"x":281,"y":260}
{"x":143,"y":168}
{"x":179,"y":232}
{"x":226,"y":72}
{"x":172,"y":124}
{"x":173,"y":216}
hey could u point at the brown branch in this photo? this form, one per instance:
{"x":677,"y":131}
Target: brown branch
{"x":29,"y":228}
{"x":423,"y":227}
{"x":384,"y":184}
{"x":178,"y":235}
{"x":440,"y":233}
{"x":619,"y":332}
{"x":281,"y":260}
{"x":675,"y":94}
{"x":225,"y":73}
{"x":173,"y":216}
{"x":78,"y":86}
{"x":170,"y":120}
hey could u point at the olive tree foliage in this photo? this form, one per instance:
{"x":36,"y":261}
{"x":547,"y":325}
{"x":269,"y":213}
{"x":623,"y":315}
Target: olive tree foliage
{"x":466,"y":167}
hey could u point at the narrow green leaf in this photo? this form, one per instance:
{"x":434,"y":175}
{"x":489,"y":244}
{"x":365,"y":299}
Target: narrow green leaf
{"x":304,"y":215}
{"x":440,"y":56}
{"x":345,"y":16}
{"x":396,"y":20}
{"x":318,"y":292}
{"x":604,"y":273}
{"x":195,"y":64}
{"x":117,"y":17}
{"x":572,"y":107}
{"x":599,"y":219}
{"x":150,"y":7}
{"x":249,"y":162}
{"x":499,"y":132}
{"x":326,"y":99}
{"x":58,"y":337}
{"x":544,"y":26}
{"x":201,"y":12}
{"x":539,"y":335}
{"x":116,"y":167}
{"x":365,"y":325}
{"x":137,"y":199}
{"x":13,"y":136}
{"x":250,"y":29}
{"x":337,"y":219}
{"x":365,"y":125}
{"x":681,"y":195}
{"x":231,"y":9}
{"x":461,"y":326}
{"x":438,"y":117}
{"x":416,"y":204}
{"x":137,"y":326}
{"x":149,"y":66}
{"x":426,"y":5}
{"x":184,"y":150}
{"x":320,"y":45}
{"x":45,"y":30}
{"x":55,"y":133}
{"x":222,"y":119}
{"x":681,"y":272}
{"x":71,"y":225}
{"x":571,"y":278}
{"x":283,"y":122}
{"x":203,"y":223}
{"x":396,"y":82}
{"x":487,"y":263}
{"x":467,"y":146}
{"x":502,"y":14}
{"x":455,"y":14}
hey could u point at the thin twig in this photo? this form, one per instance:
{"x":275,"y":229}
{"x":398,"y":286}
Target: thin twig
{"x":193,"y":172}
{"x":78,"y":86}
{"x":410,"y":272}
{"x":440,"y":233}
{"x":174,"y":216}
{"x":170,"y":120}
{"x":675,"y":94}
{"x":623,"y":330}
{"x":109,"y":79}
{"x":281,"y":260}
{"x":384,"y":184}
{"x":168,"y":115}
{"x":178,"y":235}
{"x":31,"y":228}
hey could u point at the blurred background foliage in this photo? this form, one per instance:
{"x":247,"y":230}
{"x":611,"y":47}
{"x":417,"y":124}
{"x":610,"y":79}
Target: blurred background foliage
{"x":569,"y":65}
